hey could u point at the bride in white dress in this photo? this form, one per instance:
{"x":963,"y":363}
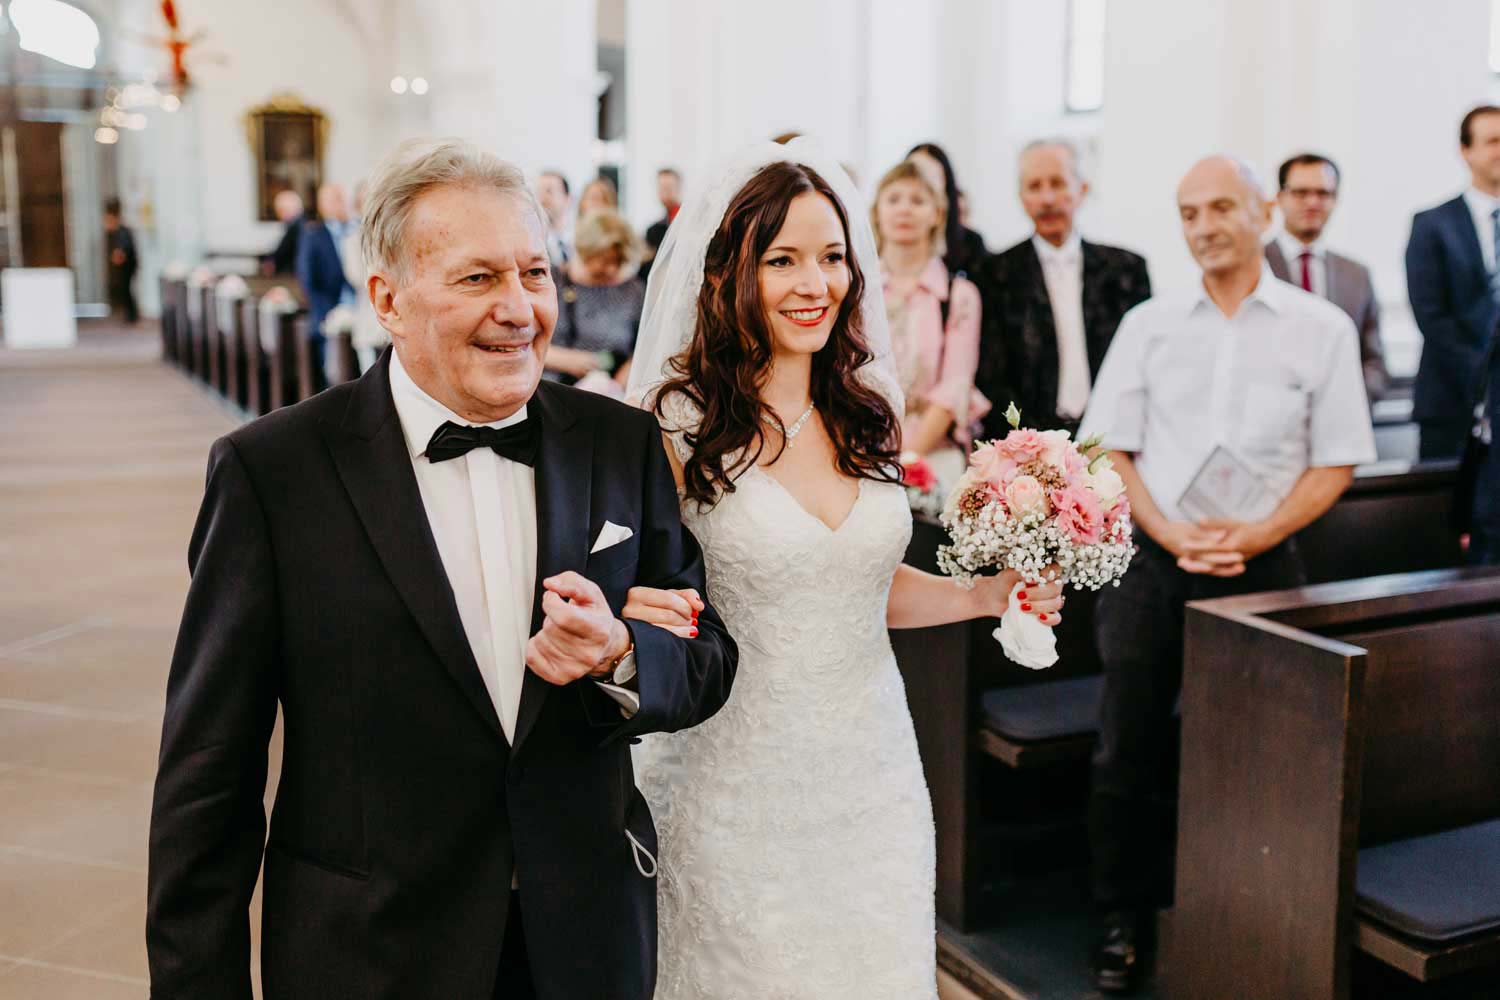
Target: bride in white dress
{"x":795,"y":827}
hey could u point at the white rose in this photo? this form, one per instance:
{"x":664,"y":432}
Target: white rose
{"x":1107,"y":486}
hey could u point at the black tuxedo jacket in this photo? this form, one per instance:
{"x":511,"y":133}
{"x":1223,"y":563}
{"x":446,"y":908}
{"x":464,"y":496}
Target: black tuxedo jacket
{"x":401,"y":810}
{"x":1018,"y":348}
{"x":1451,"y":301}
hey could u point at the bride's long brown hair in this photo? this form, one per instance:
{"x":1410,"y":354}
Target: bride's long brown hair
{"x":727,"y":362}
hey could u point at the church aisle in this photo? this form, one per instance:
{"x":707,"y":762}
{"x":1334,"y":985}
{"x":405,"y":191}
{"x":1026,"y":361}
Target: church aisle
{"x":102,"y":457}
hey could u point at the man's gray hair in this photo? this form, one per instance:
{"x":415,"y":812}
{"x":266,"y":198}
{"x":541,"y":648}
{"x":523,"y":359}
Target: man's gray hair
{"x":415,"y":167}
{"x":1075,"y":156}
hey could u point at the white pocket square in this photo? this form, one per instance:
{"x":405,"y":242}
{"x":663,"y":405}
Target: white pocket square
{"x":610,"y":534}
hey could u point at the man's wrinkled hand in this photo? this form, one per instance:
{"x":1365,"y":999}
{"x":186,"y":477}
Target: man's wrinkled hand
{"x":580,"y":635}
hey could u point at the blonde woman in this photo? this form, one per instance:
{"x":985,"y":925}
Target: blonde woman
{"x":934,"y":321}
{"x":599,"y":301}
{"x":599,"y":195}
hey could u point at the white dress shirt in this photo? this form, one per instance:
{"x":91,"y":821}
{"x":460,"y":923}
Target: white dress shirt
{"x":1062,"y":270}
{"x":482,"y":509}
{"x":1279,"y":384}
{"x":1292,"y":250}
{"x":1482,"y":208}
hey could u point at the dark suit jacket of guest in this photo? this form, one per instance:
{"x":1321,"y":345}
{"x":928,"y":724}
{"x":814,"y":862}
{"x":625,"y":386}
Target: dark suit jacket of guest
{"x":1018,"y":350}
{"x":121,"y":275}
{"x":655,"y":233}
{"x":1349,"y":287}
{"x":320,"y":269}
{"x":401,"y":810}
{"x":283,"y":259}
{"x":967,"y":256}
{"x":1451,"y":302}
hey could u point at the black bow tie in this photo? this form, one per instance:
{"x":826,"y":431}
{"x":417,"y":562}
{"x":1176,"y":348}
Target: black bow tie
{"x":517,"y":442}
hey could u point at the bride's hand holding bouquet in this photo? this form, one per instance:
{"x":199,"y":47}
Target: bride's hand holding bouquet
{"x":1043,"y":507}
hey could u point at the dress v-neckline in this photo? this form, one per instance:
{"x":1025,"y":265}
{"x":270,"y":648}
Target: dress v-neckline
{"x":859,"y":493}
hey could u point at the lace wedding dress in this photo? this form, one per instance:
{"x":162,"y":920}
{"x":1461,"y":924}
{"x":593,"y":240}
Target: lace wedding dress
{"x":797,"y":850}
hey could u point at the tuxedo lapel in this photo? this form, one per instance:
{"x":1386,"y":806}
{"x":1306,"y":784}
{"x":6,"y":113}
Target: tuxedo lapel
{"x":1096,"y":332}
{"x":370,"y":453}
{"x":563,"y":473}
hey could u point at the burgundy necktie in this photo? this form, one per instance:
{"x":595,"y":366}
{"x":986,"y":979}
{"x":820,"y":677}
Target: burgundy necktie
{"x":1307,"y":270}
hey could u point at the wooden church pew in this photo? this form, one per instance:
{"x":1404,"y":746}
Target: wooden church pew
{"x":1321,"y":726}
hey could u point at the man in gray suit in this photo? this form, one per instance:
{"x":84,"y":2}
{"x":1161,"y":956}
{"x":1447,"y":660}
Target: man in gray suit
{"x":1309,"y":189}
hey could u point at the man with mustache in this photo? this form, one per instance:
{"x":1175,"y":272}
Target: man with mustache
{"x":1245,"y":399}
{"x":1052,"y":301}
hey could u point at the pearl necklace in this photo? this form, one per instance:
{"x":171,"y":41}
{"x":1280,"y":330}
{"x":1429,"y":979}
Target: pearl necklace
{"x":795,"y":428}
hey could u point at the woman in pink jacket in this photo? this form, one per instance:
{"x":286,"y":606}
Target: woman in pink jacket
{"x":934,"y":323}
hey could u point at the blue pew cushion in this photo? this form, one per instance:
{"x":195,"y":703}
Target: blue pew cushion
{"x":1434,"y":888}
{"x":1045,"y":711}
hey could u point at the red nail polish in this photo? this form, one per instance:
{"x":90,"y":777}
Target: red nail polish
{"x":1041,"y":618}
{"x":694,"y":633}
{"x":1025,"y":607}
{"x":1021,"y":597}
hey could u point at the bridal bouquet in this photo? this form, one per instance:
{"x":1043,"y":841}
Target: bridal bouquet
{"x":1029,"y":502}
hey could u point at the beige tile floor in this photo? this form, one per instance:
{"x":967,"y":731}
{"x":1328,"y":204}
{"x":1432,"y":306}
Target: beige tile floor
{"x":102,"y":454}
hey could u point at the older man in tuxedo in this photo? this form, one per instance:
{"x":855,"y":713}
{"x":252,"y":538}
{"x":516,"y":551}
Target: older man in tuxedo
{"x":426,"y":570}
{"x":1052,"y":301}
{"x":1308,"y":190}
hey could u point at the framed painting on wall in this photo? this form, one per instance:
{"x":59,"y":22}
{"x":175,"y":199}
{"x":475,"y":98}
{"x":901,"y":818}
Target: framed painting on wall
{"x":287,"y":138}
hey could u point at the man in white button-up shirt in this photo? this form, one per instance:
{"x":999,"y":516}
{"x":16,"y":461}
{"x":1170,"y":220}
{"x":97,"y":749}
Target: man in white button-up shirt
{"x":426,"y":570}
{"x":1264,"y":380}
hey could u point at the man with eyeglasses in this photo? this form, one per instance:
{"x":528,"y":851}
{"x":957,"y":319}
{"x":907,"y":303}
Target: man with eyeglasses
{"x":1309,"y":190}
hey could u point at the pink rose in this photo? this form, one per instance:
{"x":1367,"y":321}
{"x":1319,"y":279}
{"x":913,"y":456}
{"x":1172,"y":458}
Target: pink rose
{"x":993,"y":466}
{"x":1078,"y":514}
{"x":1022,"y":445}
{"x":1025,"y":497}
{"x":1060,"y":452}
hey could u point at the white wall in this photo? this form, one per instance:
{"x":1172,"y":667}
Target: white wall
{"x":514,"y":76}
{"x":706,"y":77}
{"x":1377,"y":84}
